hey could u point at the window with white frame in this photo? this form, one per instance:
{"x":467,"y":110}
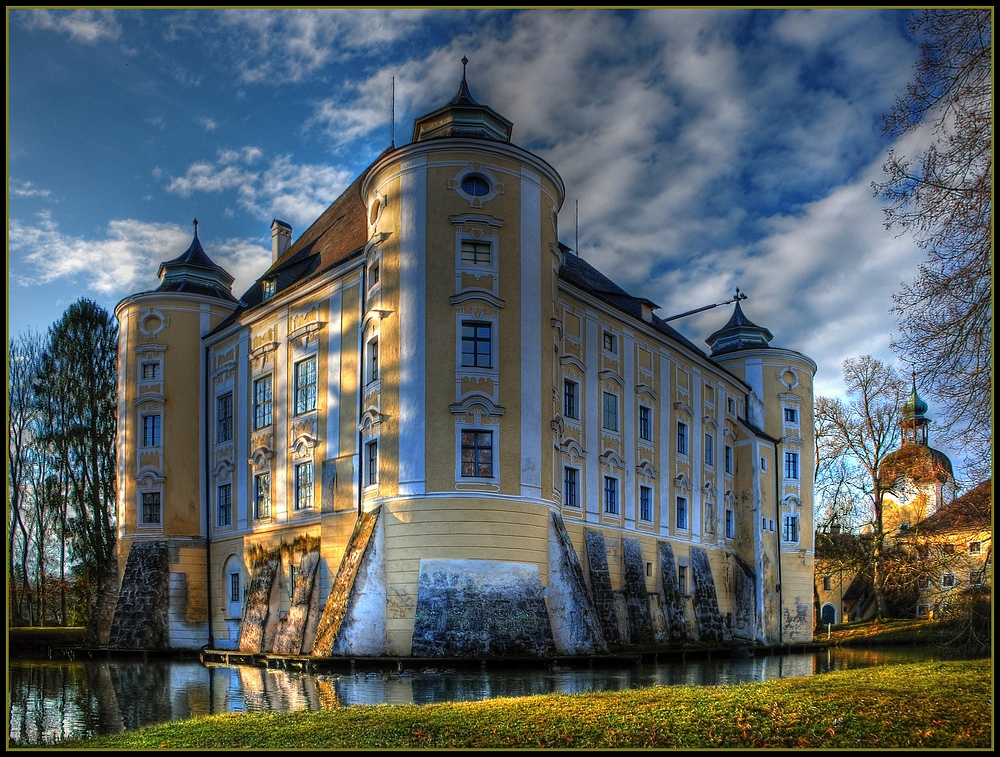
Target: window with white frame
{"x":646,"y":503}
{"x":477,"y":344}
{"x":371,"y":462}
{"x":730,"y":523}
{"x":923,"y":611}
{"x":790,"y":528}
{"x":681,"y":513}
{"x":610,"y":342}
{"x":682,"y":438}
{"x":731,"y":405}
{"x":645,"y":423}
{"x":975,"y":578}
{"x":268,"y":288}
{"x":263,"y":397}
{"x":150,"y":371}
{"x":234,"y":587}
{"x":791,"y":415}
{"x":477,"y":453}
{"x":262,"y":495}
{"x":975,"y":547}
{"x":151,"y":431}
{"x":948,"y":581}
{"x":610,"y":411}
{"x":224,"y":418}
{"x":305,"y":386}
{"x":571,"y":483}
{"x":224,"y":504}
{"x":475,"y":252}
{"x":729,"y":459}
{"x":709,"y":449}
{"x":372,"y":362}
{"x":151,"y":508}
{"x":792,"y":465}
{"x":611,"y":495}
{"x":571,"y":406}
{"x":304,"y":486}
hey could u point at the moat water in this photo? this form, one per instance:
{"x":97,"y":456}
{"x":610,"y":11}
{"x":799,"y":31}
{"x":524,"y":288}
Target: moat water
{"x":55,"y":700}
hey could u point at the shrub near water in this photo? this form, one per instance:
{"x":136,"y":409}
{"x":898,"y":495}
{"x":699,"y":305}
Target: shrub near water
{"x":925,"y":705}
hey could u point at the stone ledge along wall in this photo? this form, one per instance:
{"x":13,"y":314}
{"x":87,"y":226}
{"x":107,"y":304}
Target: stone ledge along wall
{"x":674,"y":616}
{"x":711,"y":626}
{"x":141,"y":619}
{"x":600,"y":584}
{"x":640,"y":618}
{"x":480,"y":608}
{"x":576,"y":628}
{"x":338,"y":604}
{"x":259,"y":622}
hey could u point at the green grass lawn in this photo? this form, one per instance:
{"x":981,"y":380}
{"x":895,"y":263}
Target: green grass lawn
{"x":946,"y":705}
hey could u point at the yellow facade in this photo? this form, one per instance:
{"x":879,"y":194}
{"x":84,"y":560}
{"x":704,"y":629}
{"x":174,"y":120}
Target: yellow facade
{"x":433,"y":396}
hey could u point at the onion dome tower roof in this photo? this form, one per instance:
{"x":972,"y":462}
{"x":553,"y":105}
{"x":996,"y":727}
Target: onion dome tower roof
{"x":463,"y":117}
{"x":739,"y":333}
{"x":194,"y":272}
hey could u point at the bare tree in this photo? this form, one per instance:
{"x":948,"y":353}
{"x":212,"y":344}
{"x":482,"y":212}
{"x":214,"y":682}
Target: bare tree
{"x":944,"y":199}
{"x":861,"y":432}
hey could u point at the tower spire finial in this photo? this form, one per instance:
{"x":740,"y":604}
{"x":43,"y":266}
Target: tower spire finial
{"x":196,"y":227}
{"x":465,"y":62}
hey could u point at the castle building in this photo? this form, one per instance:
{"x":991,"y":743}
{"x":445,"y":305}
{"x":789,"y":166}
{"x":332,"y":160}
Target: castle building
{"x":431,"y":429}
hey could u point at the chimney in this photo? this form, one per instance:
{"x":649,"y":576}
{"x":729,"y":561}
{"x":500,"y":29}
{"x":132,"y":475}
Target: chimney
{"x":281,"y":239}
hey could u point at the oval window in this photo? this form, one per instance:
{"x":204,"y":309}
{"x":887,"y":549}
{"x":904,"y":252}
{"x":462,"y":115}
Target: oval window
{"x":475,"y":185}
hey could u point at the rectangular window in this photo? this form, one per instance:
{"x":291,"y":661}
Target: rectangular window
{"x":682,"y":580}
{"x":763,"y":463}
{"x":571,"y":496}
{"x":610,"y":342}
{"x":975,"y":547}
{"x":791,"y":415}
{"x":790,"y":528}
{"x":224,"y":418}
{"x":475,"y":253}
{"x":826,"y":583}
{"x":610,"y":415}
{"x":304,"y":486}
{"x":305,"y":386}
{"x":729,"y":459}
{"x":791,"y":465}
{"x":731,"y":405}
{"x":151,"y":507}
{"x":976,"y":578}
{"x":477,"y":344}
{"x":682,"y":438}
{"x":263,"y":395}
{"x":224,"y":504}
{"x":371,"y":455}
{"x":262,"y":495}
{"x":234,"y":587}
{"x":709,"y":449}
{"x":151,"y":431}
{"x":645,"y":423}
{"x":571,"y":408}
{"x":150,"y":371}
{"x":645,"y":503}
{"x":948,"y":581}
{"x":373,"y":361}
{"x":682,"y":513}
{"x":611,"y":495}
{"x":268,"y":288}
{"x":730,"y":523}
{"x":477,"y":454}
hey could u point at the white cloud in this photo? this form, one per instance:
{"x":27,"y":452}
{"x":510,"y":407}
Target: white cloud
{"x":21,"y":189}
{"x":86,"y":26}
{"x":125,"y":260}
{"x":208,"y":124}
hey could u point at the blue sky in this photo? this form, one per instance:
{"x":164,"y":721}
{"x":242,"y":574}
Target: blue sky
{"x":704,"y":149}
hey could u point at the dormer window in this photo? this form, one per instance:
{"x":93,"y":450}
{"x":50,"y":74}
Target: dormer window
{"x":268,"y":288}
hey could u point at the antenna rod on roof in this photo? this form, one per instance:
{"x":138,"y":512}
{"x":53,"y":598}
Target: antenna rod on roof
{"x":392,"y":116}
{"x":736,"y":298}
{"x":576,"y":243}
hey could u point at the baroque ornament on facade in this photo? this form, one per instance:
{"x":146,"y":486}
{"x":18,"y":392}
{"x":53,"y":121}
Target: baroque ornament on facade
{"x":432,"y":429}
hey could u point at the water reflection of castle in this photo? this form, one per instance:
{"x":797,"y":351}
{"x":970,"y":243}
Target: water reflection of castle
{"x":431,"y":429}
